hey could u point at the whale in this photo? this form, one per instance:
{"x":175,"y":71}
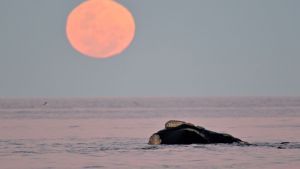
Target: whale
{"x":180,"y":132}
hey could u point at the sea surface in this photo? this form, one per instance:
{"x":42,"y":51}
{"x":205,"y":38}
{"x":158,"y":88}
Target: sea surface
{"x":110,"y":132}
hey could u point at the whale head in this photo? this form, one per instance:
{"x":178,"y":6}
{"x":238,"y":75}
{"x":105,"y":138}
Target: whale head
{"x":154,"y":139}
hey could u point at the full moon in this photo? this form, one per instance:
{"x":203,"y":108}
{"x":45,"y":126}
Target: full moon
{"x":100,"y":28}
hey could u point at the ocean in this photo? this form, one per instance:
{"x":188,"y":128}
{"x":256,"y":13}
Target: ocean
{"x":112,"y":132}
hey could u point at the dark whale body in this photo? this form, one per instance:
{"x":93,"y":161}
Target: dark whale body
{"x":187,"y":133}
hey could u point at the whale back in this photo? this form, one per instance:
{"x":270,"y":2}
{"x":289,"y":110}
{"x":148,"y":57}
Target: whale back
{"x":182,"y":134}
{"x":175,"y":123}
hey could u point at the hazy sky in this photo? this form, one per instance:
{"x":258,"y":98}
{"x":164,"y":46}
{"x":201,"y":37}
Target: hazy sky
{"x":181,"y":48}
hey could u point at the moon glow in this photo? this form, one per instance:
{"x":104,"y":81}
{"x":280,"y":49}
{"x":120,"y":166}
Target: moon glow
{"x":100,"y":28}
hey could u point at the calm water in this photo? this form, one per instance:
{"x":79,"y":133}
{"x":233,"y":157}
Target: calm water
{"x":95,"y":133}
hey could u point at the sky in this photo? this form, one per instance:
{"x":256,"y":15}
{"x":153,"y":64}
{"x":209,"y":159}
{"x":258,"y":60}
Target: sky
{"x":181,"y":48}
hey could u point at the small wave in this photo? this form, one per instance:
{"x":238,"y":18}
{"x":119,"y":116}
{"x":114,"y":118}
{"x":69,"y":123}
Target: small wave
{"x":149,"y":148}
{"x":281,"y":145}
{"x":24,"y":152}
{"x":92,"y":167}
